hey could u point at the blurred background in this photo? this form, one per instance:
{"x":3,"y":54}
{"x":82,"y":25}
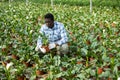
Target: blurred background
{"x":112,"y":3}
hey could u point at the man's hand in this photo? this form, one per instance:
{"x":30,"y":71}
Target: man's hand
{"x":52,"y":45}
{"x":45,"y":48}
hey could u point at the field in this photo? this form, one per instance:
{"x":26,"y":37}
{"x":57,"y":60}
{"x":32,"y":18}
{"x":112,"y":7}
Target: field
{"x":111,"y":3}
{"x":94,"y":43}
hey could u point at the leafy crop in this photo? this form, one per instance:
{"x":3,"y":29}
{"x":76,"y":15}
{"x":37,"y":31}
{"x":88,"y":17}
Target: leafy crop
{"x":94,"y":43}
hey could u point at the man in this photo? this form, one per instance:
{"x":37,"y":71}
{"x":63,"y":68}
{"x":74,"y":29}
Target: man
{"x":56,"y":34}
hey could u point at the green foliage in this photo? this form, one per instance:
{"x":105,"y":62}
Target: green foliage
{"x":112,"y":3}
{"x":94,"y":35}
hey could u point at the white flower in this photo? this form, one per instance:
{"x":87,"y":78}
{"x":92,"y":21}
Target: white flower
{"x":31,"y":31}
{"x":8,"y":65}
{"x":103,"y":30}
{"x":27,"y":17}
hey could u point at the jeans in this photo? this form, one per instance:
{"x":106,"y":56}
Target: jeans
{"x":63,"y":49}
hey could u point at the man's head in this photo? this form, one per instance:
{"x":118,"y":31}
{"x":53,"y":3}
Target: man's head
{"x":49,"y":20}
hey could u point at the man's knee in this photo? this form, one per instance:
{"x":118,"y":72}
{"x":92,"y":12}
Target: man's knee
{"x":65,"y":48}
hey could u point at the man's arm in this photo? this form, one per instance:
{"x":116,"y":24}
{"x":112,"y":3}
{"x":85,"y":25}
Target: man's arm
{"x":39,"y":41}
{"x":64,"y":37}
{"x":40,"y":46}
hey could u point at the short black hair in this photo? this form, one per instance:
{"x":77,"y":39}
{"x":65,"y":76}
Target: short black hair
{"x":50,"y":16}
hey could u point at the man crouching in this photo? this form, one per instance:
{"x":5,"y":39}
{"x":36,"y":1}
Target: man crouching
{"x":55,"y":33}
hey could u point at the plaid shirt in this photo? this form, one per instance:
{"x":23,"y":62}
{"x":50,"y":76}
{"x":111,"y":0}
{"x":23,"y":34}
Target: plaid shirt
{"x":57,"y":34}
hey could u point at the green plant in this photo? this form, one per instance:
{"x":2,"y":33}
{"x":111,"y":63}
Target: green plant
{"x":94,"y":41}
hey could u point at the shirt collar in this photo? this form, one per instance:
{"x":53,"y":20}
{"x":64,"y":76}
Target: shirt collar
{"x":55,"y":25}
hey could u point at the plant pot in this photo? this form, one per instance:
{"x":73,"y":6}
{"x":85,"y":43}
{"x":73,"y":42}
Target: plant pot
{"x":8,"y":61}
{"x":107,"y":66}
{"x":4,"y":49}
{"x":33,"y":65}
{"x":27,"y":64}
{"x":73,"y":75}
{"x":39,"y":72}
{"x":91,"y":59}
{"x":47,"y":49}
{"x":64,"y":68}
{"x":79,"y":62}
{"x":21,"y":77}
{"x":111,"y":55}
{"x":88,"y":42}
{"x":113,"y":25}
{"x":119,"y":68}
{"x":109,"y":78}
{"x":37,"y":78}
{"x":92,"y":78}
{"x":15,"y":57}
{"x":60,"y":78}
{"x":98,"y":38}
{"x":69,"y":44}
{"x":100,"y":70}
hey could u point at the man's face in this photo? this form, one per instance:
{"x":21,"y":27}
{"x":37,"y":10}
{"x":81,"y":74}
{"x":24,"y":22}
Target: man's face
{"x":49,"y":22}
